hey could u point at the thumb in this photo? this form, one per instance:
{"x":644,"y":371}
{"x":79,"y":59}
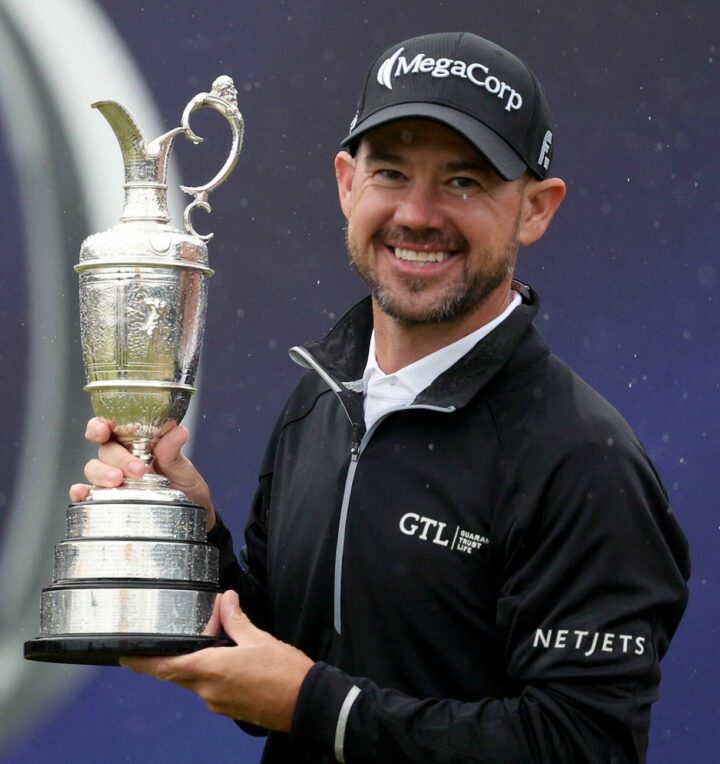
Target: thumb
{"x":235,"y":623}
{"x":167,"y":452}
{"x":179,"y":470}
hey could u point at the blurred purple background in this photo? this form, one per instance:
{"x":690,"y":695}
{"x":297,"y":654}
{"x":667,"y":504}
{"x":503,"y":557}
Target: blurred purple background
{"x":628,"y":278}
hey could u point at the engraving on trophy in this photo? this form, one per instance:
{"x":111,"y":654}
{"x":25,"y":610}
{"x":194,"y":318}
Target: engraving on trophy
{"x":154,"y":312}
{"x":135,"y":573}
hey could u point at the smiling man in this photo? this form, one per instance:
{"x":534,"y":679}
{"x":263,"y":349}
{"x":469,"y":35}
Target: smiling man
{"x":434,"y":231}
{"x":458,"y":551}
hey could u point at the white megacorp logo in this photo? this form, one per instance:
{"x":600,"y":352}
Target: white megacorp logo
{"x":479,"y":74}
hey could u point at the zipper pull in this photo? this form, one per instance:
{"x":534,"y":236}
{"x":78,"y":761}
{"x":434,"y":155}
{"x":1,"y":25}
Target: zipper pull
{"x":355,"y":443}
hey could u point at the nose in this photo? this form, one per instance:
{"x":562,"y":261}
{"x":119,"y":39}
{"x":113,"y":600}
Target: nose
{"x":418,"y":208}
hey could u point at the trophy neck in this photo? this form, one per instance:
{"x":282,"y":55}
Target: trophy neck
{"x":138,"y":446}
{"x":145,"y":201}
{"x":141,"y":448}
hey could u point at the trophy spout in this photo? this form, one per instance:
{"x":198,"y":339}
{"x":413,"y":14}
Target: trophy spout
{"x":128,"y":133}
{"x":145,"y":164}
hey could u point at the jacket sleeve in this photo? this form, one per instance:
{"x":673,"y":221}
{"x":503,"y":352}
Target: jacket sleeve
{"x":237,"y":573}
{"x":246,"y":574}
{"x":591,"y":586}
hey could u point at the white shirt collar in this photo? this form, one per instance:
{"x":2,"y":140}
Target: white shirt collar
{"x":386,"y":392}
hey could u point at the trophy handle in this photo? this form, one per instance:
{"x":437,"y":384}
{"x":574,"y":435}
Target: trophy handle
{"x":223,"y":98}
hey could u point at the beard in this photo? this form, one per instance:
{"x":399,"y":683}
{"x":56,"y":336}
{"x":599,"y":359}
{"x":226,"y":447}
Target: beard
{"x":460,"y":298}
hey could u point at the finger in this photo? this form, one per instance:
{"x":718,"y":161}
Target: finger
{"x":230,"y":602}
{"x":167,"y":452}
{"x":79,"y":492}
{"x":161,"y":667}
{"x":180,"y":669}
{"x":116,"y":455}
{"x":98,"y":430}
{"x":172,"y":441}
{"x":235,"y":623}
{"x":103,"y":475}
{"x":180,"y":471}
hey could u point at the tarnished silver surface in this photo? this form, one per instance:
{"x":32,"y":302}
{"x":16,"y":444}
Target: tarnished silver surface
{"x":143,"y":298}
{"x":141,"y":331}
{"x":130,"y":559}
{"x":143,"y":284}
{"x":139,"y":521}
{"x":152,"y":488}
{"x":127,"y":611}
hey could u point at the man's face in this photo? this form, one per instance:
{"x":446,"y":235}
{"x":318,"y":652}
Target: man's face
{"x":432,"y":229}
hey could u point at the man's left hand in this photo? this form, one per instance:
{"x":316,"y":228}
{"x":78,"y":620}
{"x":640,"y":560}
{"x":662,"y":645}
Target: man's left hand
{"x":256,"y":681}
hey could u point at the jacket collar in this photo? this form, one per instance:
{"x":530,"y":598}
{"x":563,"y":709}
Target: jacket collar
{"x":342,"y":354}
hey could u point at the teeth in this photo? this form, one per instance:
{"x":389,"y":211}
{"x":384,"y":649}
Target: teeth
{"x":421,"y":257}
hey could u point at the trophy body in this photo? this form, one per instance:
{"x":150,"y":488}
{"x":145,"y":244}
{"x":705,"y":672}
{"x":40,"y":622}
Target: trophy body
{"x":134,"y":573}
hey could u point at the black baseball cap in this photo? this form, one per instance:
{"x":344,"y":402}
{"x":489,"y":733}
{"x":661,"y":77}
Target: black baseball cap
{"x":480,"y":90}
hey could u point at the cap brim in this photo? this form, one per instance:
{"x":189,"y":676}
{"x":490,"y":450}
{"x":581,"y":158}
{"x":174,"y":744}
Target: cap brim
{"x":500,"y":154}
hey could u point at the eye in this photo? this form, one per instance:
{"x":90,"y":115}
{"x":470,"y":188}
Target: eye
{"x":390,"y":175}
{"x":464,"y":183}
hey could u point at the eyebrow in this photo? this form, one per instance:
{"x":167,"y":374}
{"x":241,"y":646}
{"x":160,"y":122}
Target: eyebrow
{"x":464,"y":165}
{"x":459,"y":165}
{"x":374,"y":155}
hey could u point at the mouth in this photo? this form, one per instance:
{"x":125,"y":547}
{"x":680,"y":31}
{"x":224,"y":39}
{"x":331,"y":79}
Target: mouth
{"x":421,"y":257}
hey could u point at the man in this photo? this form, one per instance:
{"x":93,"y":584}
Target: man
{"x":457,"y":551}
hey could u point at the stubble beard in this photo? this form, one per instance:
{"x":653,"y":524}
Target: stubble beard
{"x":461,"y":297}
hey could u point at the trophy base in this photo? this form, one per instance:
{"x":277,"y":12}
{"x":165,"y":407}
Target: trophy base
{"x":134,"y":575}
{"x":106,"y":649}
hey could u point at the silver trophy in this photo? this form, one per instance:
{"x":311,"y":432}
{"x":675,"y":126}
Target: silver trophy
{"x":135,"y":573}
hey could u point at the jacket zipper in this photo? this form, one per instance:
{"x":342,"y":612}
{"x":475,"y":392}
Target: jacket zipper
{"x":357,"y":445}
{"x":356,"y":450}
{"x":355,"y":440}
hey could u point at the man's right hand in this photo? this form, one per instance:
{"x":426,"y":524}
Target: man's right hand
{"x":115,"y":463}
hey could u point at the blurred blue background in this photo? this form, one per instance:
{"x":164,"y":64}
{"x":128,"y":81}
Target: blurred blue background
{"x":628,"y":277}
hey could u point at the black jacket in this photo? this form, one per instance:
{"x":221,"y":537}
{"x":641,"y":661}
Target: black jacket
{"x":496,"y":569}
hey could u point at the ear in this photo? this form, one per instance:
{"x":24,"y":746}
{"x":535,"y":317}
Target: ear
{"x":344,"y":172}
{"x":541,"y":198}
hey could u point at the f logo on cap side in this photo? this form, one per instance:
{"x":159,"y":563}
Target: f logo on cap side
{"x":544,"y":158}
